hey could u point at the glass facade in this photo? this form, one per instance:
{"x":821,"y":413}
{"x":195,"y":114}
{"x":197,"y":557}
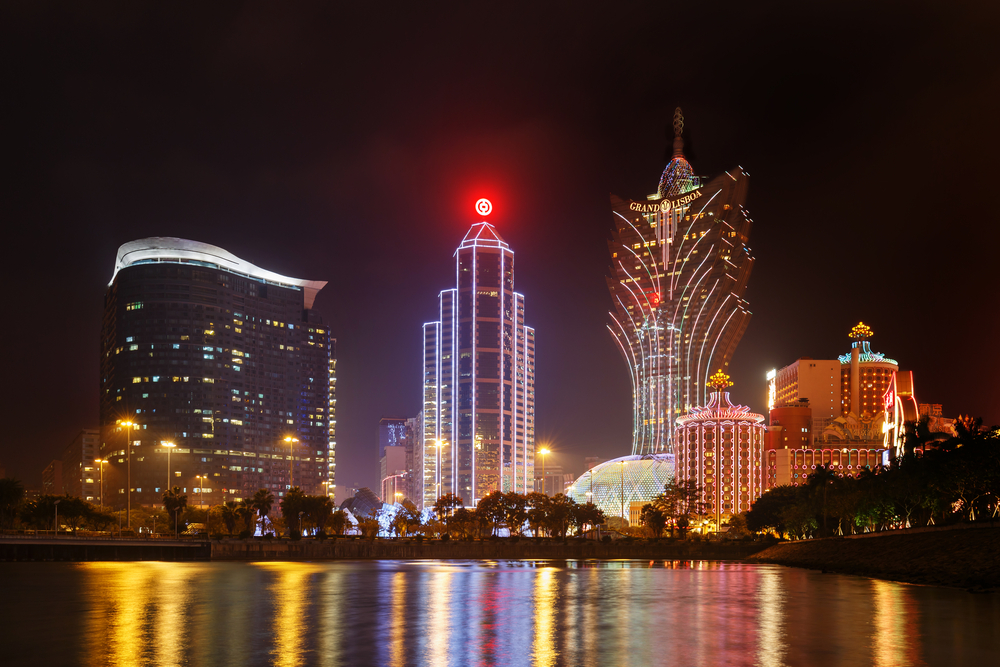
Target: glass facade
{"x":478,"y":389}
{"x":226,"y":361}
{"x":614,"y":485}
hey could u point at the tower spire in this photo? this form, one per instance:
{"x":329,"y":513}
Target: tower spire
{"x":678,"y":131}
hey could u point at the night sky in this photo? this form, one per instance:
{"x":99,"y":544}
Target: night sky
{"x":348,"y":142}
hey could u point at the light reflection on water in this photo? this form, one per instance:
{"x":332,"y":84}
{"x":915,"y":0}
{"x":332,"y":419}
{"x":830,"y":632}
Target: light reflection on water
{"x":482,"y":613}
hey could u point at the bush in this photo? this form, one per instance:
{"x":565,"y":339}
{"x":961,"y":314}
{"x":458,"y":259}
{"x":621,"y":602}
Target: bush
{"x":269,"y":536}
{"x":606,"y":539}
{"x":321,"y":535}
{"x":294,"y":534}
{"x":217,"y":536}
{"x":244,"y":534}
{"x":419,"y":538}
{"x":445,"y":537}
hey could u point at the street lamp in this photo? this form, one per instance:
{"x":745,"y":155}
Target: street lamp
{"x":438,"y":444}
{"x":169,"y":446}
{"x":544,"y":452}
{"x":201,"y":489}
{"x":622,"y":463}
{"x":102,"y":462}
{"x":129,"y":425}
{"x":291,"y":457}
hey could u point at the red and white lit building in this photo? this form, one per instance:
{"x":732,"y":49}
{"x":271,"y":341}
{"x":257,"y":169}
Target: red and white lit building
{"x":720,"y":448}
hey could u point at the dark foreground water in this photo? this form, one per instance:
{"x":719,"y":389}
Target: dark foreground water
{"x":482,"y":613}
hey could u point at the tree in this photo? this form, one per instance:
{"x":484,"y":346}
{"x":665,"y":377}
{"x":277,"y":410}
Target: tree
{"x":229,"y":514}
{"x":246,"y":512}
{"x":174,"y":503}
{"x":447,"y":504}
{"x":679,"y":502}
{"x":587,"y":514}
{"x":11,"y":498}
{"x":463,"y":522}
{"x":261,"y":503}
{"x":292,"y":505}
{"x":538,"y":505}
{"x":490,"y":512}
{"x":560,"y":513}
{"x":819,"y":484}
{"x":515,"y":512}
{"x":653,"y":519}
{"x":338,"y":522}
{"x":738,"y":526}
{"x":765,"y":513}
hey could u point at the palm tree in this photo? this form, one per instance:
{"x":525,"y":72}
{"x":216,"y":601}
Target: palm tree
{"x":822,"y":478}
{"x":174,"y":502}
{"x":229,"y":512}
{"x":262,"y":502}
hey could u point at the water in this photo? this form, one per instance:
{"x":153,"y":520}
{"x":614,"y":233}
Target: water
{"x":482,"y":613}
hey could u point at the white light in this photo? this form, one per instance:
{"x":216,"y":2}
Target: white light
{"x":484,"y":207}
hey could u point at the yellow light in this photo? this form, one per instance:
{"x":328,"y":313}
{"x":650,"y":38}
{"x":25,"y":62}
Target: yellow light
{"x":543,"y":451}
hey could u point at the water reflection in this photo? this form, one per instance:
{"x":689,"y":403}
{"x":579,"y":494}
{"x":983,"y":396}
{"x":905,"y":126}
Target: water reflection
{"x":483,"y":613}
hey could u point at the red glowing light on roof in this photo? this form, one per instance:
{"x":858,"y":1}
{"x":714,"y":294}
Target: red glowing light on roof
{"x":484,"y":207}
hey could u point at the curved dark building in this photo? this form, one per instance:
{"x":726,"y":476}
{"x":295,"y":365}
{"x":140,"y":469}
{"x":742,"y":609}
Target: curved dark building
{"x":680,"y":266}
{"x":226,"y":361}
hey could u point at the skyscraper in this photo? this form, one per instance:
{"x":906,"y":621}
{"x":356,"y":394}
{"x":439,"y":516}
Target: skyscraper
{"x":479,"y":374}
{"x":680,"y":266}
{"x":225,"y":361}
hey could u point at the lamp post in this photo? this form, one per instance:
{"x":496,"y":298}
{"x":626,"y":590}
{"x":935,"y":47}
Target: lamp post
{"x":170,"y":446}
{"x":56,"y":504}
{"x":544,"y":451}
{"x":101,"y":462}
{"x":291,"y":456}
{"x":128,"y":425}
{"x":622,"y":463}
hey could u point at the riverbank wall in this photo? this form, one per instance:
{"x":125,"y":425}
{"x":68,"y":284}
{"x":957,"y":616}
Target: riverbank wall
{"x":959,"y":556}
{"x":525,"y":549}
{"x":79,"y":550}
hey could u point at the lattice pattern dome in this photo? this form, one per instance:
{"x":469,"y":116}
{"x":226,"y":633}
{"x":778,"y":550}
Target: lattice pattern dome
{"x":643,"y":478}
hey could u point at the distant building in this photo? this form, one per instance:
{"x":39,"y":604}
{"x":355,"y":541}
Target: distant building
{"x":393,"y":469}
{"x":817,"y":381}
{"x":556,"y":479}
{"x":81,"y":476}
{"x":362,"y":503}
{"x":413,"y":441}
{"x":52,"y":481}
{"x":479,"y":374}
{"x":720,"y":449}
{"x":225,"y":360}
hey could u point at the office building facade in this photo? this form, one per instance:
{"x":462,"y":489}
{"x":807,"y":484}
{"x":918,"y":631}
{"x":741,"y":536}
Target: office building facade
{"x":224,"y":360}
{"x":680,"y":267}
{"x":478,"y":385}
{"x":80,"y":472}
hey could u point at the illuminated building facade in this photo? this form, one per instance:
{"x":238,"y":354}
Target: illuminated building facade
{"x":479,"y":374}
{"x":815,"y":380}
{"x":223,"y":359}
{"x":80,"y":473}
{"x":720,"y":447}
{"x":792,"y":466}
{"x":615,"y":485}
{"x":680,"y":267}
{"x":865,"y":376}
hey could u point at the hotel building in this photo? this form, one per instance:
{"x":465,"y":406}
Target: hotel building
{"x":720,"y":448}
{"x":227,"y":362}
{"x":680,"y":266}
{"x":479,"y":374}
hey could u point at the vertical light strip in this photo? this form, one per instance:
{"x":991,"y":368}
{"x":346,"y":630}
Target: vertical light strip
{"x":474,"y":393}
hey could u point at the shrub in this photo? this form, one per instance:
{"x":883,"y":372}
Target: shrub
{"x":445,"y":537}
{"x":321,"y":535}
{"x":245,"y":534}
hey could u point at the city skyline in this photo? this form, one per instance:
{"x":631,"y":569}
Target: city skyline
{"x":869,"y":144}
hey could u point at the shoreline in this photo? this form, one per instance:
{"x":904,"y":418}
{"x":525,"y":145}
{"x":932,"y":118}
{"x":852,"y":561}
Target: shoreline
{"x":966,"y":557}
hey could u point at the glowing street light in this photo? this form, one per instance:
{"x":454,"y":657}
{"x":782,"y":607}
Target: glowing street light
{"x":544,"y":451}
{"x":291,"y":457}
{"x":169,"y":446}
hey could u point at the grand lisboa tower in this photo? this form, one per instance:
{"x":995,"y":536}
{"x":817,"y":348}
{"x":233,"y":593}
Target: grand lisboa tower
{"x":679,"y":269}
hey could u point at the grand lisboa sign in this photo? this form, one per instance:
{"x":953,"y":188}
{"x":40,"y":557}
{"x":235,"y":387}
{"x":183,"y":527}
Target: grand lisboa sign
{"x":664,"y":205}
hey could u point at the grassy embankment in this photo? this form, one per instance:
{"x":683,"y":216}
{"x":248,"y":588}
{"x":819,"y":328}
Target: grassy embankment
{"x":953,"y":556}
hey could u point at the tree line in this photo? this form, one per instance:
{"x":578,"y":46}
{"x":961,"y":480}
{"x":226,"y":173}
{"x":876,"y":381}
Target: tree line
{"x":934,"y":482}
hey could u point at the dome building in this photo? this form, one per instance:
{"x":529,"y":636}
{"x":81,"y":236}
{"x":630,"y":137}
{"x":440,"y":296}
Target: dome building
{"x":616,"y":484}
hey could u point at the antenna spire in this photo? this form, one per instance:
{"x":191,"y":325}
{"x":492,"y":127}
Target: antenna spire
{"x":678,"y":131}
